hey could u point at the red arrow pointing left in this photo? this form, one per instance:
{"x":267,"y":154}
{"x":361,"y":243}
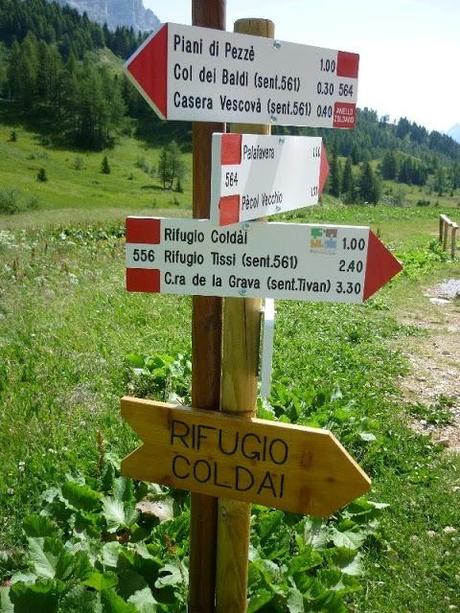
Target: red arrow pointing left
{"x":147,"y":69}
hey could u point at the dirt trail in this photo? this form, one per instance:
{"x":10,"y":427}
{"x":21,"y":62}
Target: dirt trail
{"x":434,"y":357}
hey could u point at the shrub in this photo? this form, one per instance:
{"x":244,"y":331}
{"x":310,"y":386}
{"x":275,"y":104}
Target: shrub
{"x":13,"y":136}
{"x":42,"y":176}
{"x":105,"y":166}
{"x":9,"y":202}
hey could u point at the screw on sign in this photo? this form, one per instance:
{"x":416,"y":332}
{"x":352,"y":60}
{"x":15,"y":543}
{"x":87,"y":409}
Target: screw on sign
{"x":198,"y":74}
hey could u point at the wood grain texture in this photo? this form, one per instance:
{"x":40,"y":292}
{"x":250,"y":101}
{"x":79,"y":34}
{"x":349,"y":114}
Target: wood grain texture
{"x":239,"y":395}
{"x":211,"y":453}
{"x":206,"y":348}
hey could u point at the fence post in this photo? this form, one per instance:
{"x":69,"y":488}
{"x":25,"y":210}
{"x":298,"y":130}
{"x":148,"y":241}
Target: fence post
{"x":454,"y":240}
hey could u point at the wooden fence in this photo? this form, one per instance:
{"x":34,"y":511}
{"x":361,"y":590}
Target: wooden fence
{"x":444,"y":224}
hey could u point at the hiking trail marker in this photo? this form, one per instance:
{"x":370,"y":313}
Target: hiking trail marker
{"x":256,"y":176}
{"x":290,"y":467}
{"x":191,"y":73}
{"x":317,"y":263}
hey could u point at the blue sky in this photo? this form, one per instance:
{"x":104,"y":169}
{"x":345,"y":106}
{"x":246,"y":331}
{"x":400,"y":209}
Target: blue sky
{"x":410,"y":49}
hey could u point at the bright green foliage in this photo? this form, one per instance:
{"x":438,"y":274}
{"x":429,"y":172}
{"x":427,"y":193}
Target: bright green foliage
{"x":105,"y":166}
{"x":369,"y":186}
{"x":170,"y":165}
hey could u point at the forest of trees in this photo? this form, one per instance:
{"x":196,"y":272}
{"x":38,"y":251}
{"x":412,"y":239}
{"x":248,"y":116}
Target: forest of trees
{"x":51,"y":77}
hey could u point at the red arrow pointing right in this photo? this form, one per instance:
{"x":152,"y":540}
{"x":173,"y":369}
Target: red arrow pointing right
{"x":147,"y":69}
{"x":380,"y":268}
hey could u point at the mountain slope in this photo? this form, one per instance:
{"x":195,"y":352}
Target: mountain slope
{"x":129,"y":13}
{"x":454,"y":132}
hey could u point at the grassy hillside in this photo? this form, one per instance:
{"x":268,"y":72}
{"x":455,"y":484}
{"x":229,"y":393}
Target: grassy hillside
{"x":75,"y":179}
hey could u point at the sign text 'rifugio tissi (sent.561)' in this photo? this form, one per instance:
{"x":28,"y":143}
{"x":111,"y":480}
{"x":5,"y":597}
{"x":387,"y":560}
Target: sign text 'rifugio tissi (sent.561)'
{"x":190,"y":73}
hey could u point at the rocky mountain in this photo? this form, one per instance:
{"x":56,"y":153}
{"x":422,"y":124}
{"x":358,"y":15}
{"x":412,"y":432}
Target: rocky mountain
{"x":454,"y":132}
{"x":117,"y":13}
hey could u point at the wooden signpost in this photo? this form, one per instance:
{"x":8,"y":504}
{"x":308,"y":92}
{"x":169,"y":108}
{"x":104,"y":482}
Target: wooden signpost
{"x":294,"y":468}
{"x":203,"y":74}
{"x":255,"y":176}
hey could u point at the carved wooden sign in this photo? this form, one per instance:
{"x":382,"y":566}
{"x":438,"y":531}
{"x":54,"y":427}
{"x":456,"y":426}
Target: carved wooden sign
{"x":290,"y":467}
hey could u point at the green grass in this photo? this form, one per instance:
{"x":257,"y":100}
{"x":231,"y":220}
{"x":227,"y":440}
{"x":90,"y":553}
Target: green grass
{"x":67,"y":325}
{"x":75,"y":180}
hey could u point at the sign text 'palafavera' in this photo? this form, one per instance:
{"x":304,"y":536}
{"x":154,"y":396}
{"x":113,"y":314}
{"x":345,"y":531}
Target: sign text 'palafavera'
{"x":199,"y":74}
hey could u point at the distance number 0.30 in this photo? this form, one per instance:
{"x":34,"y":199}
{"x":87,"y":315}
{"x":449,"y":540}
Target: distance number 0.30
{"x":144,"y":255}
{"x":325,"y":88}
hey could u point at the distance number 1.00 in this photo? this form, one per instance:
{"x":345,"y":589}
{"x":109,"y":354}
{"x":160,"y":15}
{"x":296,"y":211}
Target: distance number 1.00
{"x":354,"y":244}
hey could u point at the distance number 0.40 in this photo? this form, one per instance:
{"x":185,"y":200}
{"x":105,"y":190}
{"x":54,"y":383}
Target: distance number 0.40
{"x":144,"y":255}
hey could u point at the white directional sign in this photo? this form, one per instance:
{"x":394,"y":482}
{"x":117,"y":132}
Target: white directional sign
{"x":198,"y":74}
{"x":254,"y":176}
{"x":293,"y":261}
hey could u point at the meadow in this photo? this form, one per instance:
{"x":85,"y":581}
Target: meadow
{"x":73,"y":341}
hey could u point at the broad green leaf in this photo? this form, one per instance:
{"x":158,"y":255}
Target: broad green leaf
{"x":44,"y":555}
{"x":23,"y":578}
{"x":39,"y":525}
{"x":295,"y":601}
{"x":81,"y":496}
{"x":258,"y":600}
{"x":144,"y":601}
{"x":73,"y":566}
{"x":40,"y":597}
{"x":112,"y":603}
{"x":170,"y":575}
{"x":347,"y":539}
{"x":117,"y":514}
{"x":110,"y":554}
{"x":81,"y":600}
{"x":304,"y":561}
{"x":101,"y":581}
{"x":136,"y":360}
{"x":123,"y":490}
{"x":348,"y":560}
{"x":6,"y":606}
{"x":367,"y":436}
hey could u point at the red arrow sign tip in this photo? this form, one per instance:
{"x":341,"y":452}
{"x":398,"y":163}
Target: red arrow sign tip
{"x":323,"y":169}
{"x":147,"y":69}
{"x":381,"y":266}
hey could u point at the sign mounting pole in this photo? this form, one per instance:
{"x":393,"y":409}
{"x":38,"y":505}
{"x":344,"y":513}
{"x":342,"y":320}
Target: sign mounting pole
{"x":239,"y":393}
{"x":206,"y":347}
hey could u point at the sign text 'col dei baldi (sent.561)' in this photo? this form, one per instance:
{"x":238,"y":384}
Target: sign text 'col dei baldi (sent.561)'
{"x":190,"y":73}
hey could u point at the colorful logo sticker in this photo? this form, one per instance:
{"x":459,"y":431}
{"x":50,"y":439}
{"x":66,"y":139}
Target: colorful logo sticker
{"x":323,"y":239}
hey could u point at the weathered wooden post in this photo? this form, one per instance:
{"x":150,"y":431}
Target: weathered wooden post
{"x":454,"y":240}
{"x":239,"y":395}
{"x":206,"y":348}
